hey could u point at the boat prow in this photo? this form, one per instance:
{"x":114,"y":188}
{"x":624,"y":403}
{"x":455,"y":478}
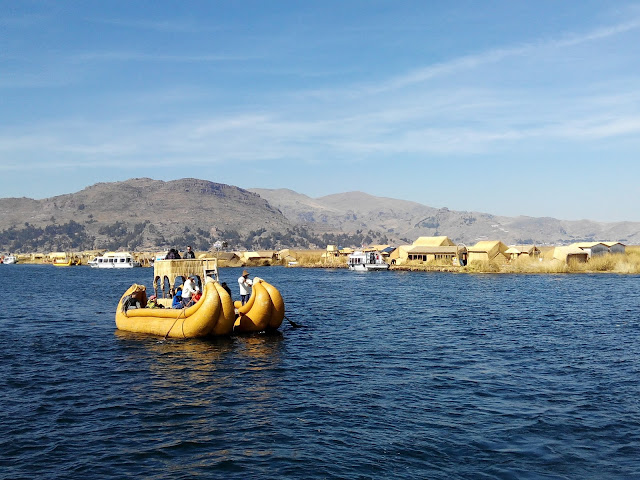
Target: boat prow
{"x":263,"y":312}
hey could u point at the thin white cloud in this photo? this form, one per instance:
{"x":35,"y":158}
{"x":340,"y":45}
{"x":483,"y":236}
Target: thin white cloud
{"x":470,"y":62}
{"x":124,"y":56}
{"x":597,"y":34}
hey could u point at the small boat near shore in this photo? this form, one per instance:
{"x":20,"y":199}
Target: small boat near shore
{"x":366,"y":261}
{"x":10,"y":260}
{"x":214,"y":314}
{"x":114,"y":260}
{"x":65,"y":262}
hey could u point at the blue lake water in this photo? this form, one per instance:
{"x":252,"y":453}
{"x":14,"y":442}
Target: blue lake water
{"x":401,"y":375}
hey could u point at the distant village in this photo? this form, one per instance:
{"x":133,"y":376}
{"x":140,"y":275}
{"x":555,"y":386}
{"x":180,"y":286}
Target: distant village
{"x":437,"y":250}
{"x":443,"y":250}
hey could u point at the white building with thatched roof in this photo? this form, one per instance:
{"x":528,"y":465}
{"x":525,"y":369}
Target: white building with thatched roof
{"x":592,"y":248}
{"x":616,"y":247}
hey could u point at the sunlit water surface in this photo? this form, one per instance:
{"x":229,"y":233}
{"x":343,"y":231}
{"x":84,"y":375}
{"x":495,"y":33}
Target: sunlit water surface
{"x":394,"y":375}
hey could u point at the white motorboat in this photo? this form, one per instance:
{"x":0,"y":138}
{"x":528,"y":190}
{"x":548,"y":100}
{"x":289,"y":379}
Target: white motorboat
{"x":366,"y":261}
{"x":114,"y":260}
{"x":10,"y":259}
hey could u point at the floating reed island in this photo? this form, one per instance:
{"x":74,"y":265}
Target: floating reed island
{"x":440,"y":254}
{"x":431,"y":254}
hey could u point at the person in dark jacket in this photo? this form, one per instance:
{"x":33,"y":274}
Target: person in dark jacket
{"x":189,"y":253}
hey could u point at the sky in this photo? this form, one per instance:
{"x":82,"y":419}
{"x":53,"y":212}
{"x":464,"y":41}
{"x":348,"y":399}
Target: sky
{"x":503,"y":107}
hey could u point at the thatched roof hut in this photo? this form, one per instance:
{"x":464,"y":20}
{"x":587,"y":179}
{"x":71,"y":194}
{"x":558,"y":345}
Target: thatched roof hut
{"x":570,"y":253}
{"x":488,"y":251}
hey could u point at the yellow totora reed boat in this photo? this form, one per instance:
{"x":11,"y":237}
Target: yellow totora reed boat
{"x":65,"y":262}
{"x":213,"y":315}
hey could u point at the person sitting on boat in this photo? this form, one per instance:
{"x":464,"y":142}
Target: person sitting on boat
{"x":177,"y":300}
{"x":172,"y":254}
{"x":245,"y":287}
{"x":196,"y":296}
{"x":153,"y":302}
{"x":189,"y":253}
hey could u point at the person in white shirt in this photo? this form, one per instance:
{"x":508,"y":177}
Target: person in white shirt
{"x":188,"y":289}
{"x":245,"y":287}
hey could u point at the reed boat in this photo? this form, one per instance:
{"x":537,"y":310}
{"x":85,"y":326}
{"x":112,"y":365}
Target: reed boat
{"x":65,"y":262}
{"x":213,"y":315}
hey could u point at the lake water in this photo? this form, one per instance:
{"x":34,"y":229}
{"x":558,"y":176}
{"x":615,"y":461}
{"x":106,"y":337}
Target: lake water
{"x":401,"y":375}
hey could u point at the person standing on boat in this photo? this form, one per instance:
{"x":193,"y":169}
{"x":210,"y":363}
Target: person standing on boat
{"x":245,"y":287}
{"x":188,"y":289}
{"x":189,"y":253}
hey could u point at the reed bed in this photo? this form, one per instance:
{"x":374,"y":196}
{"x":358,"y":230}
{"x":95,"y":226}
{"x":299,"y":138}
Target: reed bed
{"x":628,"y":263}
{"x":617,"y":263}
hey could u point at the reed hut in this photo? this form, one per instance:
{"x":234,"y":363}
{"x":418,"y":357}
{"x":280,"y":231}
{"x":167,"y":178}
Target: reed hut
{"x":332,"y":251}
{"x":439,"y":241}
{"x":440,"y":249}
{"x":570,"y":253}
{"x":257,"y":257}
{"x":522,"y":251}
{"x":488,"y":251}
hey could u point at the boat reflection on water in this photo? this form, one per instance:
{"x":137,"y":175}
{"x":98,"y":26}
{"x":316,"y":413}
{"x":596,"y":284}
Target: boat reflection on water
{"x":261,"y":346}
{"x":194,"y":361}
{"x":185,"y":364}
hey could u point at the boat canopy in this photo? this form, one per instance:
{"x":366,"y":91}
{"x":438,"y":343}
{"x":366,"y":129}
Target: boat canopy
{"x":170,"y":270}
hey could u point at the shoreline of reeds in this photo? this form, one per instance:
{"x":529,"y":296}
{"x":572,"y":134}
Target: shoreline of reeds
{"x":627,"y":263}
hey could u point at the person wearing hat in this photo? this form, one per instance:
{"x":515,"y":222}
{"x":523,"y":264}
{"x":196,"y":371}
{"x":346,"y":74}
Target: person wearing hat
{"x":245,"y":287}
{"x":153,"y":302}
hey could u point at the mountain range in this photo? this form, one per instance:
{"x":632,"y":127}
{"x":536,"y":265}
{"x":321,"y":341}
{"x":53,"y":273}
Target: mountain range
{"x":405,"y":220}
{"x":147,"y":214}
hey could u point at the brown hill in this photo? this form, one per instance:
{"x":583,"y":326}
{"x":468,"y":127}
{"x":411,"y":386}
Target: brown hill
{"x":147,"y":213}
